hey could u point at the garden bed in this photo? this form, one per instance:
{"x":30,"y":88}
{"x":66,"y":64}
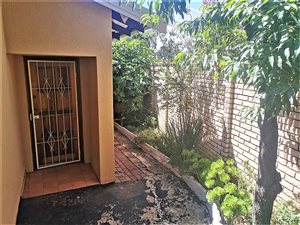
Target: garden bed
{"x":193,"y":184}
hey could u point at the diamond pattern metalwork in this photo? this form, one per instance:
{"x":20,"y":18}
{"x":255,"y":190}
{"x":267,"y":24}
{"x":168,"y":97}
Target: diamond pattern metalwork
{"x":65,"y":140}
{"x":51,"y":141}
{"x":47,"y":87}
{"x":54,"y":134}
{"x":61,"y":85}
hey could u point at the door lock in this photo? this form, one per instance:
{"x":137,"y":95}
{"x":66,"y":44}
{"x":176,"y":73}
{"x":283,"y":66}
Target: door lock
{"x":33,"y":117}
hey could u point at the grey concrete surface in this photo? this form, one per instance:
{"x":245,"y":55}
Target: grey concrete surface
{"x":160,"y":198}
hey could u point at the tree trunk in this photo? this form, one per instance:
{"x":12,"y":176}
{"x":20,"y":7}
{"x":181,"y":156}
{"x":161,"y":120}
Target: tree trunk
{"x":268,"y":182}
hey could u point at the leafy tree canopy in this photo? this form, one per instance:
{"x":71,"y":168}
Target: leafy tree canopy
{"x":255,"y":41}
{"x":166,"y":9}
{"x":258,"y":42}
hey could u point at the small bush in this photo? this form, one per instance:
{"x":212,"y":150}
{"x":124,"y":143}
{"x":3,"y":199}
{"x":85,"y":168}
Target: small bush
{"x":225,"y":184}
{"x":285,"y":213}
{"x":132,"y":81}
{"x":195,"y":165}
{"x":163,"y":142}
{"x":147,"y":123}
{"x":150,"y":136}
{"x":223,"y":180}
{"x":184,"y":133}
{"x":169,"y":147}
{"x":150,"y":122}
{"x":186,"y":130}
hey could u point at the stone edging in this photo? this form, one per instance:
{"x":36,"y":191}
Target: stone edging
{"x":194,"y":185}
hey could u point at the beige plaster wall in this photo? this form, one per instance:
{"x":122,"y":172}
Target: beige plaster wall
{"x":69,"y":29}
{"x":23,"y":116}
{"x":1,"y":76}
{"x":59,"y":28}
{"x":88,"y":85}
{"x":106,"y":129}
{"x":12,"y":161}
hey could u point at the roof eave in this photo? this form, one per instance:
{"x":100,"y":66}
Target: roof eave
{"x":135,"y":14}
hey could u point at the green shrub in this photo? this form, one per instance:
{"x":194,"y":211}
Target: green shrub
{"x":187,"y":131}
{"x":169,"y":147}
{"x":132,"y":80}
{"x":183,"y":133}
{"x":150,"y":136}
{"x":225,"y":184}
{"x":157,"y":139}
{"x":147,"y":123}
{"x":285,"y":213}
{"x":150,"y":122}
{"x":163,"y":142}
{"x":195,"y":165}
{"x":223,"y":180}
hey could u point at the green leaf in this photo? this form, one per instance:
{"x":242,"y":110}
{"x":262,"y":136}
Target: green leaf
{"x":230,"y":162}
{"x":230,"y":188}
{"x":287,"y":53}
{"x":209,"y":183}
{"x":279,"y":62}
{"x":297,"y":51}
{"x":280,"y":14}
{"x":219,"y":191}
{"x":228,"y":213}
{"x":211,"y":196}
{"x":224,"y":177}
{"x":271,"y":60}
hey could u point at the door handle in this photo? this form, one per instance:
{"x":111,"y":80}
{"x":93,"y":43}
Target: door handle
{"x":33,"y":117}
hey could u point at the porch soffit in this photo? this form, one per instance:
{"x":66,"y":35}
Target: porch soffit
{"x":125,"y":19}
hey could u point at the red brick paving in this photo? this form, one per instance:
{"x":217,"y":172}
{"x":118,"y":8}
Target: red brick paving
{"x":128,"y":166}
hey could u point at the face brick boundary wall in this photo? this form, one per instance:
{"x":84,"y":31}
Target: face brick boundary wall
{"x":229,"y":134}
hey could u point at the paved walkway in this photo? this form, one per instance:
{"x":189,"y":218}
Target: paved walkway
{"x":152,"y":195}
{"x":79,"y":175}
{"x":58,"y":179}
{"x":128,"y":166}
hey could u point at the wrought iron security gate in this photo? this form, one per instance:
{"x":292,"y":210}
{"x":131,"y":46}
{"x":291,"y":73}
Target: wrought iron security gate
{"x":54,"y":108}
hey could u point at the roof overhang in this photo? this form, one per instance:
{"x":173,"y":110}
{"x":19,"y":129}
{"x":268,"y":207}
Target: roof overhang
{"x":126,"y":19}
